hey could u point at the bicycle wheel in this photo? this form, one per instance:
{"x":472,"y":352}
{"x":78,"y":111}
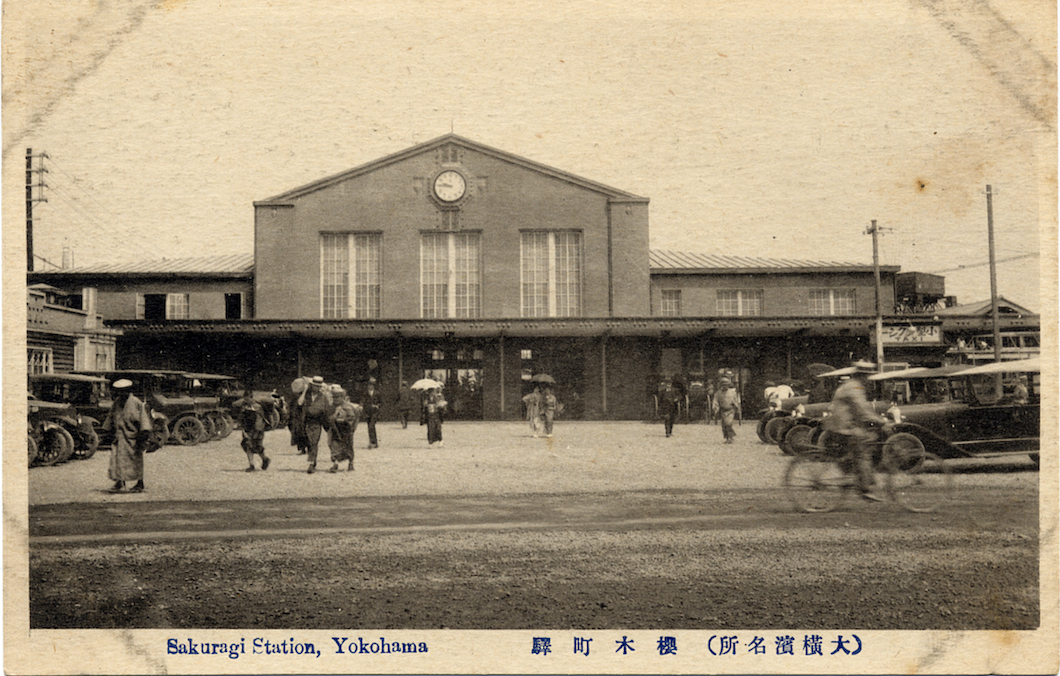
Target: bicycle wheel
{"x":918,"y":486}
{"x":815,"y":482}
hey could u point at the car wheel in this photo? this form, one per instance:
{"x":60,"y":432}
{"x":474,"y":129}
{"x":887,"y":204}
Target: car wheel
{"x":32,"y":451}
{"x":188,"y":431}
{"x":56,"y":444}
{"x":208,"y":426}
{"x":161,"y":431}
{"x":903,"y":452}
{"x":760,"y":429}
{"x":777,"y":427}
{"x":91,"y":439}
{"x":797,"y":440}
{"x":221,"y":425}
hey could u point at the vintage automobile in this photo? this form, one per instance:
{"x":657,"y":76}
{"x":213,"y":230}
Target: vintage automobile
{"x":227,"y":390}
{"x":176,"y":414}
{"x":982,"y":412}
{"x":958,"y":411}
{"x":81,"y":396}
{"x":802,"y":428}
{"x":49,"y":440}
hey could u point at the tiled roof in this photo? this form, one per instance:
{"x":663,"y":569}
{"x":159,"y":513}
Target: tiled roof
{"x":661,"y":260}
{"x":232,"y":264}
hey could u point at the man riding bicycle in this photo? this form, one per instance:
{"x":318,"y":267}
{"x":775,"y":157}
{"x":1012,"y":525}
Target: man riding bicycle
{"x":852,"y":418}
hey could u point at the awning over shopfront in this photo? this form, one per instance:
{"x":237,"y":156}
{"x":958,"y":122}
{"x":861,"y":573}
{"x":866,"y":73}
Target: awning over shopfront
{"x":652,"y":327}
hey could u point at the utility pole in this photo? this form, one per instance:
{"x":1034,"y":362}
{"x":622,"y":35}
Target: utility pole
{"x":30,"y":199}
{"x":875,"y":231}
{"x":998,"y":390}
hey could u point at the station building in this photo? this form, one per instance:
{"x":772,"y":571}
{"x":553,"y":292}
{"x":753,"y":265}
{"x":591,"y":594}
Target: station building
{"x":480,"y":268}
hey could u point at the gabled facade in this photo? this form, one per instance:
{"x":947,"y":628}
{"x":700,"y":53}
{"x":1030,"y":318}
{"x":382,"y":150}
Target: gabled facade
{"x":451,"y":229}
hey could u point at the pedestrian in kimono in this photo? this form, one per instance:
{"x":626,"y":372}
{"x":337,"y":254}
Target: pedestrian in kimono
{"x":548,"y":410}
{"x":710,"y":402}
{"x":406,"y":401}
{"x":533,"y":410}
{"x":343,"y":424}
{"x":370,"y":403}
{"x":669,"y":404}
{"x":252,"y":419}
{"x":433,"y":409}
{"x":316,"y":407}
{"x":296,"y":416}
{"x":728,"y":406}
{"x":131,"y":423}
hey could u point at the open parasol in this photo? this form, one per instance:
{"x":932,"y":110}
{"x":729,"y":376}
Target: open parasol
{"x":425,"y":384}
{"x":543,"y":378}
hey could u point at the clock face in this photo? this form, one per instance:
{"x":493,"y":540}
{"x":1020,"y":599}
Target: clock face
{"x":450,"y":186}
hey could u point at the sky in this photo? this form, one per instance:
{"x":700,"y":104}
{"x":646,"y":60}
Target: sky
{"x":759,"y":128}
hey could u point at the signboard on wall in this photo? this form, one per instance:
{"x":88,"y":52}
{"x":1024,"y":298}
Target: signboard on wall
{"x":912,"y":334}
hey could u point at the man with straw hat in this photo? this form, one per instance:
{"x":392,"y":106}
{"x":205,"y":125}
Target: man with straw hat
{"x":131,"y":422}
{"x":851,"y":418}
{"x":316,"y":407}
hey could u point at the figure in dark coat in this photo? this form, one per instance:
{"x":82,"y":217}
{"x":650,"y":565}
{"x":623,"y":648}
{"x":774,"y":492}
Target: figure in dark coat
{"x":433,"y":408}
{"x":370,"y":404}
{"x":406,"y":401}
{"x":669,"y":404}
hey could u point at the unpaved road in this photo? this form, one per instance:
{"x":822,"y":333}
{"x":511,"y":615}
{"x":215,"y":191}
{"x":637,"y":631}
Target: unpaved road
{"x":635,"y":532}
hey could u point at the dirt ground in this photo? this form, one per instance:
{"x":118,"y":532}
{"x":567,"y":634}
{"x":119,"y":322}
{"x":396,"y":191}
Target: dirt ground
{"x":603,"y":526}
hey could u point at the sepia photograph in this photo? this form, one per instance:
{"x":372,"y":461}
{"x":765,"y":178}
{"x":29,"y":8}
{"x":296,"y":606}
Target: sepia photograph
{"x":419,"y":337}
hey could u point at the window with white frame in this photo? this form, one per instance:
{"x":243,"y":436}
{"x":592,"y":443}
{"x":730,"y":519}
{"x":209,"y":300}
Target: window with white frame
{"x":450,"y":275}
{"x":350,"y":275}
{"x":551,"y":273}
{"x":158,"y":306}
{"x":740,"y":302}
{"x":40,"y":360}
{"x":671,"y":303}
{"x":831,"y":302}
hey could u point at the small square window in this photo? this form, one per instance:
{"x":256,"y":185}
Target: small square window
{"x":526,"y":354}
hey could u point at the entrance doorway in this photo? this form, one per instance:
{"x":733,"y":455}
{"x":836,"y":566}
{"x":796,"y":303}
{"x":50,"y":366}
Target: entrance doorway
{"x":460,"y":370}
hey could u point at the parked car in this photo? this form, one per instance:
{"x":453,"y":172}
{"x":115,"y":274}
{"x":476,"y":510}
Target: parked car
{"x":49,"y":440}
{"x":227,"y":390}
{"x":83,"y":413}
{"x":176,"y":414}
{"x":803,"y":427}
{"x":975,"y":419}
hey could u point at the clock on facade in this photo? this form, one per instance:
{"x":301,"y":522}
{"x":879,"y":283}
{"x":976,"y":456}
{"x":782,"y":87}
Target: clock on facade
{"x":450,"y":185}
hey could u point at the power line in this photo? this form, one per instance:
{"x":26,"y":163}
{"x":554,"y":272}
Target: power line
{"x":66,"y":197}
{"x":75,"y":181}
{"x":985,"y":263}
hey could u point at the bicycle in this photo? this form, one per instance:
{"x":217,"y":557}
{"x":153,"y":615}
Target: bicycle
{"x":820,"y":478}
